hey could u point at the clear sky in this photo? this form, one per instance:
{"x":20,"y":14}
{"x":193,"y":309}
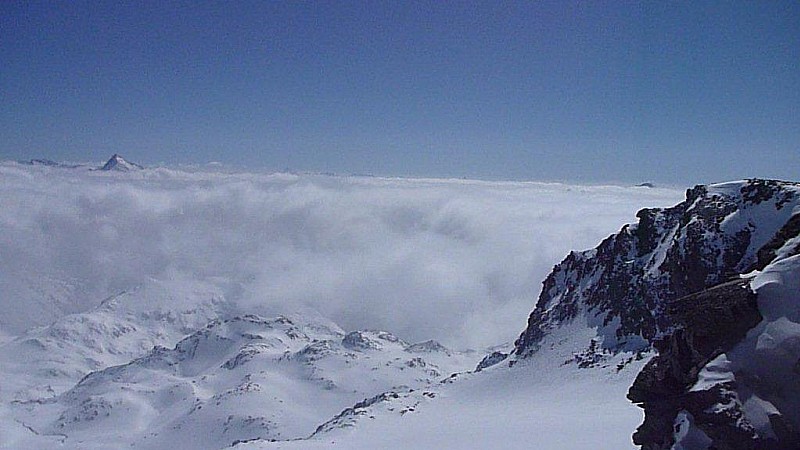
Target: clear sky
{"x":592,"y":91}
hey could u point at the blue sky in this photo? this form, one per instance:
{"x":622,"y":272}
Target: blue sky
{"x":672,"y":92}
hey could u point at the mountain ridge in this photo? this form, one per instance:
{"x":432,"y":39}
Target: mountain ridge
{"x":623,"y":284}
{"x":683,"y":281}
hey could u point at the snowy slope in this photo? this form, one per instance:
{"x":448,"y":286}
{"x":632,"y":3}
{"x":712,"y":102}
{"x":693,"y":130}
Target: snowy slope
{"x":46,"y":361}
{"x":236,"y":379}
{"x":546,"y":401}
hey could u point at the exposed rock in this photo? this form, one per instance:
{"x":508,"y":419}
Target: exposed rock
{"x":671,"y":282}
{"x":490,"y":360}
{"x":427,"y":347}
{"x":355,"y":340}
{"x":708,"y":323}
{"x":623,"y":285}
{"x":784,"y":240}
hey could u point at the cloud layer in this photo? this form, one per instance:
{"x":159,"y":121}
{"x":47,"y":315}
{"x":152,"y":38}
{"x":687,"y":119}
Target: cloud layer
{"x":459,"y":261}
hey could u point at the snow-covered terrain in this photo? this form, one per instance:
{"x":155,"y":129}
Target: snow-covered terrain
{"x":161,"y":308}
{"x":122,"y":275}
{"x":236,"y":379}
{"x":545,"y":401}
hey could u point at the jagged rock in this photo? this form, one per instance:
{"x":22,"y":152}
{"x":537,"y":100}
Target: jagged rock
{"x":672,"y":282}
{"x":623,"y":285}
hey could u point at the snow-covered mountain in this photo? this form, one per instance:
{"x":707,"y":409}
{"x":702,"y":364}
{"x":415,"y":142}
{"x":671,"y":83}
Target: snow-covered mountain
{"x":673,"y":281}
{"x":690,"y":315}
{"x":237,"y":379}
{"x":50,"y":163}
{"x":725,"y":374}
{"x":45,"y":361}
{"x":623,"y":285}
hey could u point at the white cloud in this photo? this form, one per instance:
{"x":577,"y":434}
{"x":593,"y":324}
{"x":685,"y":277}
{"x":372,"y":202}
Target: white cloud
{"x":459,"y":261}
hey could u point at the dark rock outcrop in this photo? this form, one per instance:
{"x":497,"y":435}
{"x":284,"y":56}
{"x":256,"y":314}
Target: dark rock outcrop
{"x":708,"y":323}
{"x":355,"y":340}
{"x":490,"y":360}
{"x":781,"y":241}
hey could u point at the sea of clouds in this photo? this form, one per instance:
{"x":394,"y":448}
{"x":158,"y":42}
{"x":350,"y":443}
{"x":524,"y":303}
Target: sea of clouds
{"x":455,"y":260}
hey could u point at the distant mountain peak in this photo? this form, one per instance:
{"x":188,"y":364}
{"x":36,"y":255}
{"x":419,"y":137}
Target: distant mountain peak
{"x":117,"y":162}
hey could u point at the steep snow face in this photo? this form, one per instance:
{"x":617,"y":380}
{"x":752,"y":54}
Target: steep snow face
{"x":622,"y":286}
{"x":118,"y":163}
{"x":236,"y":379}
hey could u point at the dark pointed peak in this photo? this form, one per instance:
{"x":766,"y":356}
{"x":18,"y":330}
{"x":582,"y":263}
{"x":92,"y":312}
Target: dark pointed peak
{"x":117,"y":162}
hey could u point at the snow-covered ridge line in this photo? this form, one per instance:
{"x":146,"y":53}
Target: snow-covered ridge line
{"x":672,"y":281}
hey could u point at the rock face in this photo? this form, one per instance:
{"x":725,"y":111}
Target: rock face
{"x":672,"y":282}
{"x":709,"y":323}
{"x":728,"y":377}
{"x":623,"y":285}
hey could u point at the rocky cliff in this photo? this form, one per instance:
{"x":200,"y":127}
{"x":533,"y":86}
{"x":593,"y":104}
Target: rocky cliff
{"x":624,"y":284}
{"x":673,"y":282}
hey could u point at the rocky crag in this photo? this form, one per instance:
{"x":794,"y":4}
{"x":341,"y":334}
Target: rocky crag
{"x":673,"y":283}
